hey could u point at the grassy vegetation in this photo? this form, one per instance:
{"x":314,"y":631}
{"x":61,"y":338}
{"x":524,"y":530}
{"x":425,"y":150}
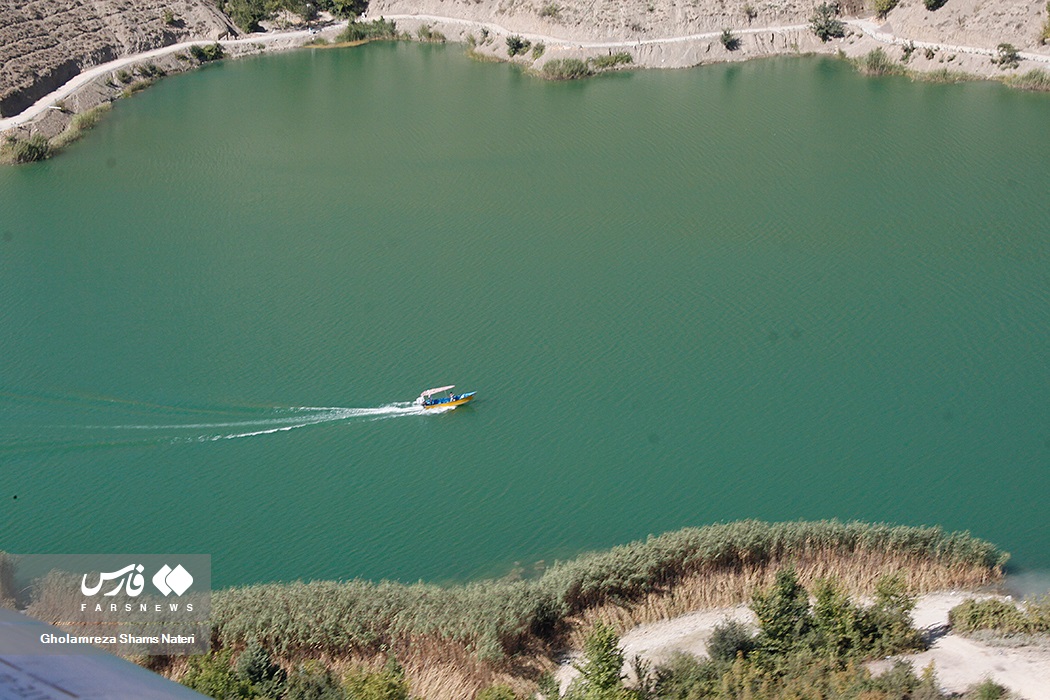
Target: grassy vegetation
{"x":878,"y":62}
{"x":1044,"y":34}
{"x":538,"y":50}
{"x":31,"y":150}
{"x":472,"y":631}
{"x":566,"y":69}
{"x":1035,"y":79}
{"x":945,"y":75}
{"x":82,"y":122}
{"x":1001,"y":617}
{"x":369,"y":31}
{"x":612,"y":60}
{"x":137,"y":86}
{"x":428,"y":33}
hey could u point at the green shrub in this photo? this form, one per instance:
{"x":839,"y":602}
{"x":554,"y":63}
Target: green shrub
{"x":427,"y":33}
{"x":345,"y":9}
{"x":212,"y":675}
{"x":730,"y":638}
{"x":986,"y":690}
{"x":783,"y":612}
{"x":388,"y":684}
{"x":538,"y":50}
{"x":366,"y":31}
{"x":932,"y":5}
{"x":602,"y":661}
{"x":825,"y":22}
{"x":992,"y":615}
{"x":516,"y":45}
{"x":1044,"y":35}
{"x":1006,"y":56}
{"x":168,"y":17}
{"x":729,"y":40}
{"x":497,"y":692}
{"x":750,"y":13}
{"x":551,"y":11}
{"x":566,"y":69}
{"x":124,"y":76}
{"x":312,"y":681}
{"x":204,"y":54}
{"x":883,"y":7}
{"x":878,"y":62}
{"x":620,"y":58}
{"x":33,"y":149}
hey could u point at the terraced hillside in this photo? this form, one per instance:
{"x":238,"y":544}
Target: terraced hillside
{"x":44,"y":43}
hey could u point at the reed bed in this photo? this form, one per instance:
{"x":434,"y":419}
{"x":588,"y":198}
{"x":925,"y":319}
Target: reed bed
{"x":453,"y":641}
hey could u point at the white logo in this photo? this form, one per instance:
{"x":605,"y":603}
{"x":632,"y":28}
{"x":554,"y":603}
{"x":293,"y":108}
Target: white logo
{"x":169,"y":580}
{"x":130,"y":578}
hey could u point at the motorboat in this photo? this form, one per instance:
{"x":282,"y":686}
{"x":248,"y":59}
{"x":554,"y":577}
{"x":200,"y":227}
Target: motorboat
{"x":443,"y":397}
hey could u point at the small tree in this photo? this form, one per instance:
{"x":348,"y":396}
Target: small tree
{"x":883,"y":7}
{"x":1006,"y":56}
{"x":730,"y":638}
{"x":730,"y":40}
{"x":516,"y":45}
{"x":782,"y":612}
{"x":825,"y":22}
{"x":602,"y":662}
{"x":256,"y":666}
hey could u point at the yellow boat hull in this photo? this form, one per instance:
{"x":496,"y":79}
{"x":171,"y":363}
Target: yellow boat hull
{"x":449,"y":404}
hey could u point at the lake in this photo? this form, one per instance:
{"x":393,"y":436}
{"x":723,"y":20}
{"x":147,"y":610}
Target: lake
{"x":773,"y":290}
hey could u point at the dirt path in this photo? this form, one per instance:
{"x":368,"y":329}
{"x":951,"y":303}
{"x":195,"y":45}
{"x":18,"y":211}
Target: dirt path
{"x":293,"y":38}
{"x":82,"y":79}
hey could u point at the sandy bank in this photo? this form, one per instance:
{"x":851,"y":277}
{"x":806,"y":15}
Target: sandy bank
{"x":960,"y":662}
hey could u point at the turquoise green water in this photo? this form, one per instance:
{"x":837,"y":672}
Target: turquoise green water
{"x":776,"y":290}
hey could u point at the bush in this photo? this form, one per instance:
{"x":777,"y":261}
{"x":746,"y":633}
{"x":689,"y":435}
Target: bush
{"x":31,"y":150}
{"x":729,"y":40}
{"x":750,"y":13}
{"x":388,"y":684}
{"x":1044,"y":36}
{"x":213,"y":676}
{"x":497,"y":692}
{"x":516,"y":45}
{"x":730,"y":638}
{"x":825,"y":22}
{"x":992,"y":615}
{"x":932,"y":5}
{"x":168,"y":17}
{"x":602,"y":660}
{"x":124,"y":76}
{"x":538,"y":50}
{"x":426,"y":33}
{"x":204,"y":54}
{"x":621,"y":58}
{"x":1006,"y":56}
{"x":783,"y":612}
{"x":551,"y":11}
{"x":368,"y":31}
{"x":883,"y":7}
{"x":312,"y":681}
{"x":878,"y":62}
{"x":566,"y":69}
{"x":986,"y":690}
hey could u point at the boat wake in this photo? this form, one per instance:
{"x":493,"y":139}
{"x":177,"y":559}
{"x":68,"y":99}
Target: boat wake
{"x":119,"y":423}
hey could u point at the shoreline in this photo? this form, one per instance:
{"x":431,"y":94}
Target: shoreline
{"x":50,"y":115}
